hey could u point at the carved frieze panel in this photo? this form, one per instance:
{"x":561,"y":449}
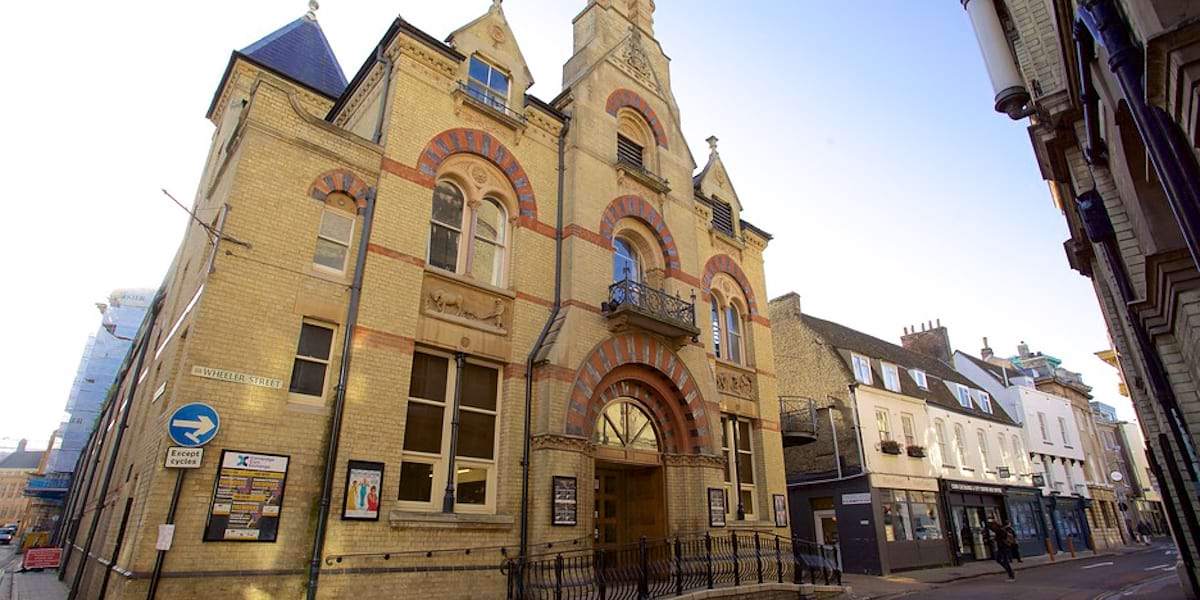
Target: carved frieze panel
{"x":460,"y":303}
{"x":735,"y":382}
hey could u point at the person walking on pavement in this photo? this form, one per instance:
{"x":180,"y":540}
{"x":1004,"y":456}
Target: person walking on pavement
{"x":1143,"y":532}
{"x":1012,"y":535}
{"x":1004,"y":544}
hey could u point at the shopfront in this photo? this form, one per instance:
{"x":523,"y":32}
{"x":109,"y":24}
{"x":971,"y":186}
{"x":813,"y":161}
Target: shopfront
{"x":1067,"y":522}
{"x":971,"y":506}
{"x":913,"y":531}
{"x":1025,"y":515}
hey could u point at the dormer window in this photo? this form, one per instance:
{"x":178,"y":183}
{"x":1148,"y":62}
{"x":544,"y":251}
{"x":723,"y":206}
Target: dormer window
{"x":919,"y":376}
{"x":891,"y":377}
{"x":487,"y":83}
{"x":630,"y":152}
{"x":862,"y":368}
{"x":964,"y":396}
{"x":985,"y":402}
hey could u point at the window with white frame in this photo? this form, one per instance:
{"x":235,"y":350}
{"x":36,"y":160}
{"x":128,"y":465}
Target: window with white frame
{"x":1004,"y":456}
{"x":333,"y":240}
{"x":891,"y":376}
{"x":310,"y":367}
{"x":1019,"y":458}
{"x":919,"y":377}
{"x":910,"y":431}
{"x":467,"y":239}
{"x":1070,"y":477}
{"x":960,"y":445}
{"x":964,"y":396}
{"x":716,"y":327}
{"x":883,"y":424}
{"x":1042,"y":427}
{"x":487,"y":83}
{"x":862,"y":368}
{"x":626,"y":262}
{"x":939,"y":431}
{"x":739,"y":463}
{"x":984,"y":460}
{"x":728,"y":330}
{"x":733,"y":329}
{"x":1062,"y":428}
{"x":429,"y":434}
{"x":985,"y":401}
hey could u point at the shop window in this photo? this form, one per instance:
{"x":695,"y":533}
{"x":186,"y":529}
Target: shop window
{"x":862,"y":368}
{"x":891,"y":377}
{"x":739,"y":464}
{"x":310,"y":367}
{"x":896,"y":517}
{"x":429,"y":434}
{"x":910,"y":515}
{"x":333,"y":240}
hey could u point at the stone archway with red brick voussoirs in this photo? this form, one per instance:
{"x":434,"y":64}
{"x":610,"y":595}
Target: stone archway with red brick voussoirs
{"x":644,"y":368}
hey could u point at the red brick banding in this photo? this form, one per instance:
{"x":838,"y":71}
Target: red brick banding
{"x":622,"y":97}
{"x":339,"y":180}
{"x":480,"y":143}
{"x":641,"y":366}
{"x":723,"y":263}
{"x":636,"y":207}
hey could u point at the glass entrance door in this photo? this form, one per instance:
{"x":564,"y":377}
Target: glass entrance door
{"x":974,"y":539}
{"x":827,"y":530}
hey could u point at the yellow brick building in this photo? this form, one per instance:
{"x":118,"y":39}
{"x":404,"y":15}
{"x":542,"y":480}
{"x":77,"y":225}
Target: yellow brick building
{"x":14,"y":475}
{"x":463,"y":317}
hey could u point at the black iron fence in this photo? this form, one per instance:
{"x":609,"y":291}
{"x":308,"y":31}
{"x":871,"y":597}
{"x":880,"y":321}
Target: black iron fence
{"x":670,"y":567}
{"x":638,"y":296}
{"x":797,"y":416}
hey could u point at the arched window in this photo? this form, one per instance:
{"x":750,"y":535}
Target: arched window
{"x":624,"y":424}
{"x":733,"y":325}
{"x":984,"y":460}
{"x":446,"y":226}
{"x":1018,"y":454}
{"x":487,"y":255}
{"x":960,"y":445}
{"x":716,"y":327}
{"x":939,"y":430}
{"x":626,"y":264}
{"x":467,"y":237}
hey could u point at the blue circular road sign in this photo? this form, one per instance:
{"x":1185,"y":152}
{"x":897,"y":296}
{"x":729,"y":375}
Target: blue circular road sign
{"x":193,"y":425}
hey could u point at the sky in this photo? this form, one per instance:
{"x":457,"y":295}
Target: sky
{"x":859,"y":133}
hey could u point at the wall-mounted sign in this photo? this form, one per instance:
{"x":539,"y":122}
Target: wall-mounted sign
{"x":565,"y":501}
{"x":1003,"y":472}
{"x":1116,"y":476}
{"x":716,"y":507}
{"x":1039,"y":480}
{"x":166,"y":535}
{"x":859,"y":498}
{"x":364,"y":487}
{"x":235,"y":377}
{"x":193,"y":425}
{"x":974,"y":488}
{"x":781,"y":512}
{"x":247,"y":497}
{"x":42,"y":558}
{"x":184,"y":458}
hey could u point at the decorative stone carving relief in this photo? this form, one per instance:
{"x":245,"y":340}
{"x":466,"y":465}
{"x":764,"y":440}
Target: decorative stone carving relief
{"x":474,"y":309}
{"x":735,"y":383}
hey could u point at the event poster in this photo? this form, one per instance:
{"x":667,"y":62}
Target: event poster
{"x":781,"y":512}
{"x":566,"y":501}
{"x":716,"y":507}
{"x":364,"y":486}
{"x":247,"y":498}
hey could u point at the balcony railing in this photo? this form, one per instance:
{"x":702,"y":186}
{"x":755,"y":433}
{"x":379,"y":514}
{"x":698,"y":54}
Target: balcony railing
{"x":481,"y":98}
{"x":639,"y":305}
{"x":670,"y":567}
{"x":797,"y":420}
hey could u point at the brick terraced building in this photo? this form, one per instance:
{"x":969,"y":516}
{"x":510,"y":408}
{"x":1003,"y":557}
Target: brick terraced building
{"x":377,"y":264}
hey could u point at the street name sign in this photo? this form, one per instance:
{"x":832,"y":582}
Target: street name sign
{"x":193,"y":425}
{"x":184,"y":458}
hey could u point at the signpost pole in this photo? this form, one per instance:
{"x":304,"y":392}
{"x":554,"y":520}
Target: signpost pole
{"x":158,"y":560}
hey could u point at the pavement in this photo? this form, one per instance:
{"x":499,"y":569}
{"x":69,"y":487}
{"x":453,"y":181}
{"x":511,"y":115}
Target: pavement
{"x":1130,"y":572}
{"x":34,"y":585}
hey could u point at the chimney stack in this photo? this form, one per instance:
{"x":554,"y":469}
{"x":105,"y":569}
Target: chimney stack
{"x":932,"y":341}
{"x":21,"y":445}
{"x":1023,"y":349}
{"x":986,"y":352}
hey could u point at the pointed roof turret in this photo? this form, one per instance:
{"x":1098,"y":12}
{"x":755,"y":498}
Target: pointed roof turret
{"x":300,"y":51}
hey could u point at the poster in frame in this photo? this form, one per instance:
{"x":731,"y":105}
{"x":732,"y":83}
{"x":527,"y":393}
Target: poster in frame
{"x":716,"y":507}
{"x":565,"y":501}
{"x":363,"y":491}
{"x":781,"y":511}
{"x":247,"y":499}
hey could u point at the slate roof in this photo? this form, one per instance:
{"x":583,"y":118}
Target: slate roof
{"x":847,"y":340}
{"x":996,"y":371}
{"x":300,"y":51}
{"x":24,"y":459}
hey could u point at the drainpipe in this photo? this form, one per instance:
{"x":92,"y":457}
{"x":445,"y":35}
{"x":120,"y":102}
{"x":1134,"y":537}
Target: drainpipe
{"x":88,"y":462}
{"x":339,"y":403}
{"x":1172,"y":159}
{"x":148,"y":327}
{"x":862,"y":459}
{"x":383,"y":99}
{"x":537,"y":347}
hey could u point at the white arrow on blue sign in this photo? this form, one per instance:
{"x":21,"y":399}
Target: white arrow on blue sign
{"x":193,"y":425}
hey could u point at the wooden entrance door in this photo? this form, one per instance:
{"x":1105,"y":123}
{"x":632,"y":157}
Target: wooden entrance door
{"x":629,"y":505}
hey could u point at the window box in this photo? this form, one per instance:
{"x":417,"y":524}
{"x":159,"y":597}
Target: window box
{"x":890,"y":447}
{"x":916,"y":451}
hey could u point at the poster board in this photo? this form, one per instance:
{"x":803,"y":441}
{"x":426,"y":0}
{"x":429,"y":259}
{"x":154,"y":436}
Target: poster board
{"x":565,"y":501}
{"x":363,"y":491}
{"x":716,"y":507}
{"x":247,"y":497}
{"x":781,"y":511}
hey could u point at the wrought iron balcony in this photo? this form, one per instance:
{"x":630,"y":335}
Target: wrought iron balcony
{"x":797,"y":420}
{"x":634,"y":304}
{"x":501,"y":110}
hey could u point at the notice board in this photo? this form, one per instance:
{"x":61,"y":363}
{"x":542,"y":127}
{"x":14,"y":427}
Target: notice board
{"x":247,"y":497}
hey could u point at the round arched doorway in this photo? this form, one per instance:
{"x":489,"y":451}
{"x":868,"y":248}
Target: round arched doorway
{"x":629,"y":499}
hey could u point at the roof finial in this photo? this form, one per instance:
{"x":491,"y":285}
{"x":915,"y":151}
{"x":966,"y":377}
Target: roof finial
{"x":311,"y":15}
{"x":496,"y":3}
{"x":712,"y":143}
